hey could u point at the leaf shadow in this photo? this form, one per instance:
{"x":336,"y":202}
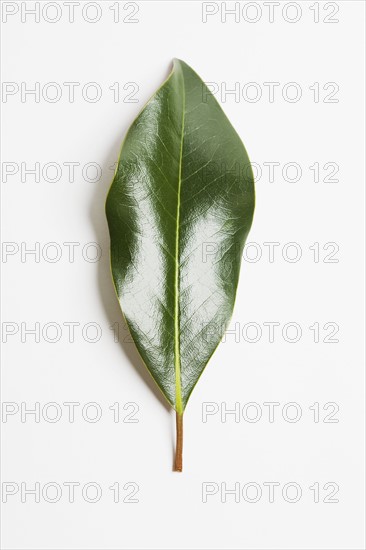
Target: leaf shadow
{"x":104,"y":279}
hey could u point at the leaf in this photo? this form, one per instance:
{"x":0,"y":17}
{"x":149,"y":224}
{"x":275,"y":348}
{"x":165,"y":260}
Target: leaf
{"x":179,"y":210}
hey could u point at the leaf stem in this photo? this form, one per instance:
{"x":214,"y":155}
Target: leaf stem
{"x":178,"y":466}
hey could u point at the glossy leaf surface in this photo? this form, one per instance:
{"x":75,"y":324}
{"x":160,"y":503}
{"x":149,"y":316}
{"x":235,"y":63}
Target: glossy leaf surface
{"x":179,"y":210}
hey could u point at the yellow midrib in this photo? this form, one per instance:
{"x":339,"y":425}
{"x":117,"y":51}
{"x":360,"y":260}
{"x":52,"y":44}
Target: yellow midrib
{"x":178,"y":389}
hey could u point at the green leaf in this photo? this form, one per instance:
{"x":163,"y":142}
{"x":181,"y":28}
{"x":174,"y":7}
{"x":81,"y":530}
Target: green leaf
{"x":179,"y":210}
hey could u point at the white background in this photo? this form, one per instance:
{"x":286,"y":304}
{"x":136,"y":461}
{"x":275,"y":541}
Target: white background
{"x":170,"y":512}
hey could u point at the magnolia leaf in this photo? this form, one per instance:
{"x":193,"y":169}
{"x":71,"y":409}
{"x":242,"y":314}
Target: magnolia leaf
{"x":179,"y":210}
